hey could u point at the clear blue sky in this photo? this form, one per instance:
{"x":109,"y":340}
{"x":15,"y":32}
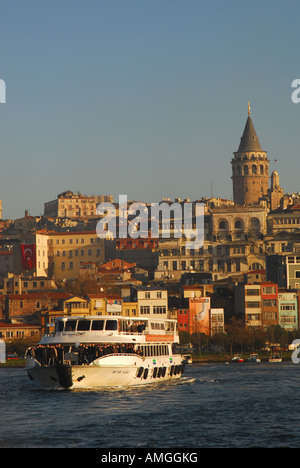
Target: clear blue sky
{"x":142,"y":97}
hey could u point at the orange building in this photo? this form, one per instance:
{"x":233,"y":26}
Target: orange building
{"x":199,"y":315}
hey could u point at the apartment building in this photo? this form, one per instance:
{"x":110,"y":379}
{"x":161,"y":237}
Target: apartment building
{"x":59,"y":254}
{"x":288,"y":309}
{"x":258,"y":303}
{"x":247,"y":302}
{"x":284,"y":269}
{"x":269,"y":304}
{"x":152,"y":301}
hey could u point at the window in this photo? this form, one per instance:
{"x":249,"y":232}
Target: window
{"x":70,"y":325}
{"x":111,"y":325}
{"x":288,"y":306}
{"x":253,"y":292}
{"x":288,"y":319}
{"x":145,"y":310}
{"x":253,"y":305}
{"x":269,"y":290}
{"x":97,"y":325}
{"x":269,"y":303}
{"x":238,"y":224}
{"x":147,"y":295}
{"x":83,"y":325}
{"x":159,"y":310}
{"x":222,"y":225}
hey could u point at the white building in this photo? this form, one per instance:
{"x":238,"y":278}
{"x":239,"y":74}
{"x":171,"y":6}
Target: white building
{"x":152,"y":301}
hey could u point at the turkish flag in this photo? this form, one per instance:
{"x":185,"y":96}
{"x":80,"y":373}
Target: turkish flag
{"x":28,"y":256}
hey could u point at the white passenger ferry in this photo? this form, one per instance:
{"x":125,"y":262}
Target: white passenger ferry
{"x":106,"y":351}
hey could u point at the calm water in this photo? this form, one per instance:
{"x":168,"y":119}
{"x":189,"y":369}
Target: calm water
{"x":215,"y":405}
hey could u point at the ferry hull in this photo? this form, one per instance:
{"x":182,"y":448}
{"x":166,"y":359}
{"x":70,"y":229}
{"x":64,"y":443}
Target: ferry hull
{"x":103,"y":376}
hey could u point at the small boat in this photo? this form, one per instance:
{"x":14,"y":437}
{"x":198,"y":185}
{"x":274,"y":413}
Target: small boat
{"x":187,"y":358}
{"x":275,"y":358}
{"x":237,"y":358}
{"x":254,"y":358}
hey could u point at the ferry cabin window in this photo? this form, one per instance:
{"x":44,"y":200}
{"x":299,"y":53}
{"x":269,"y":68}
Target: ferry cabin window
{"x":83,"y":325}
{"x":157,"y":326}
{"x":154,"y":350}
{"x":70,"y":325}
{"x":111,"y":325}
{"x":97,"y":325}
{"x":59,"y":326}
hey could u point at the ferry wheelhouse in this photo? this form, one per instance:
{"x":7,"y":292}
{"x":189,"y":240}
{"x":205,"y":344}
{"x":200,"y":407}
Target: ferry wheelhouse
{"x":106,"y":351}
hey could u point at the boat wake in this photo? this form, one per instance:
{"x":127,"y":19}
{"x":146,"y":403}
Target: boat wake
{"x":185,"y":380}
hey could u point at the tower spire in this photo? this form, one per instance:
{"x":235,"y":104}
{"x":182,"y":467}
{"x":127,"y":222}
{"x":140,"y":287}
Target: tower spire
{"x":249,"y":111}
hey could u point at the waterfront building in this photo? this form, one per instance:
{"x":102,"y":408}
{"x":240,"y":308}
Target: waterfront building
{"x":217,"y":321}
{"x":152,"y":301}
{"x":288,"y":309}
{"x":200,"y":317}
{"x":257,"y":303}
{"x":247,"y":303}
{"x":269,"y":304}
{"x":183,"y":320}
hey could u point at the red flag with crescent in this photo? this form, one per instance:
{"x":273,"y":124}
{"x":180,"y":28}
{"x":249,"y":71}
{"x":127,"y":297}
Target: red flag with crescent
{"x":28,"y":256}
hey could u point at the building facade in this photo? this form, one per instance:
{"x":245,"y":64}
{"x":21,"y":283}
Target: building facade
{"x":59,"y":254}
{"x":74,"y":205}
{"x":288,"y":309}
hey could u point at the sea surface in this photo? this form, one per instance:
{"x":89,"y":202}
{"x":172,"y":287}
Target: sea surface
{"x":214,"y":405}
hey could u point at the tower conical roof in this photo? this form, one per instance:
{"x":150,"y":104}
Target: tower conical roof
{"x":249,"y":140}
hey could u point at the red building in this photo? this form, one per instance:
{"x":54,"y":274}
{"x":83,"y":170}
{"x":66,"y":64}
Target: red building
{"x":269,"y":304}
{"x":129,"y":244}
{"x":183,"y":320}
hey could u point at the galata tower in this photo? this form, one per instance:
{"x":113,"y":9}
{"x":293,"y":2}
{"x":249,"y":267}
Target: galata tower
{"x":250,"y":168}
